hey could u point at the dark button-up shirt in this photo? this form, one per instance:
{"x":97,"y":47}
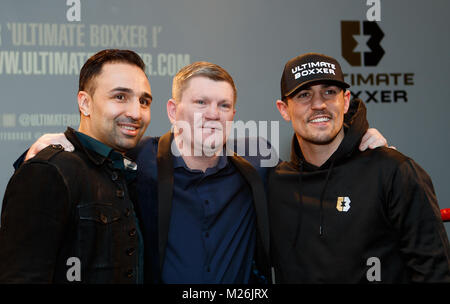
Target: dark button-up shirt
{"x":212,"y":228}
{"x":206,"y":207}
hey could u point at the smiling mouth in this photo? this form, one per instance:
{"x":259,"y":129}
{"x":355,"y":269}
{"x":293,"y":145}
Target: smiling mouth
{"x":320,"y":119}
{"x":211,"y":128}
{"x":131,"y":130}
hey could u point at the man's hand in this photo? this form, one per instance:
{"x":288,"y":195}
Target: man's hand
{"x":372,"y":139}
{"x":49,"y":139}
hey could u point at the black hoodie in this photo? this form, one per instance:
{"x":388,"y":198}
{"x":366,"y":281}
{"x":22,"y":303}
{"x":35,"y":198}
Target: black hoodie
{"x":361,"y":217}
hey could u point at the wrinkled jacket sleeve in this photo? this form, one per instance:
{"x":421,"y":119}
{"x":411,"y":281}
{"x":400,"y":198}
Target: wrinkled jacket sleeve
{"x":415,"y":213}
{"x":34,"y":214}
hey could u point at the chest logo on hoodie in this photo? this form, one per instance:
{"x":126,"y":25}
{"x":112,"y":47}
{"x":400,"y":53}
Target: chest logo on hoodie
{"x":343,"y":203}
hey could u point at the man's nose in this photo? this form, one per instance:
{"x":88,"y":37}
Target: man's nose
{"x":134,"y":109}
{"x":318,"y":102}
{"x":212,"y":111}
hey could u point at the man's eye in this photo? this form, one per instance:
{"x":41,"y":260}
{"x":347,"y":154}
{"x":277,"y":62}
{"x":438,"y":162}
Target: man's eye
{"x":226,"y":105}
{"x":145,"y":102}
{"x":330,"y":92}
{"x":303,"y":95}
{"x":201,"y":102}
{"x":120,"y":97}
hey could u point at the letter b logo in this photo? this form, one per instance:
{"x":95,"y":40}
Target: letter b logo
{"x":343,"y":203}
{"x":348,"y":42}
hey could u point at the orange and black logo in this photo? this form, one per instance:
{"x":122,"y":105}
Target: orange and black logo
{"x":349,"y":29}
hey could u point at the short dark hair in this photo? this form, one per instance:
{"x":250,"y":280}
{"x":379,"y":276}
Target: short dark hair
{"x":93,"y":66}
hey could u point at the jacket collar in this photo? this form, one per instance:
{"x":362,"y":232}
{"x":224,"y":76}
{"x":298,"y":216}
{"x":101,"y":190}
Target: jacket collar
{"x":95,"y":157}
{"x":98,"y":152}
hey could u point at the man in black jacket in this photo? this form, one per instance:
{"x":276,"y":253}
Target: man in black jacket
{"x":69,"y":217}
{"x":339,"y":215}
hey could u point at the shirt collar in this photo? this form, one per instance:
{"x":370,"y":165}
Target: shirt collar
{"x":118,"y":160}
{"x":178,"y":162}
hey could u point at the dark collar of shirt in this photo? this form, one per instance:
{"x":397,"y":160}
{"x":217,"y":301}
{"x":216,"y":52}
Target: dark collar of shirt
{"x":178,"y":162}
{"x":119,"y":162}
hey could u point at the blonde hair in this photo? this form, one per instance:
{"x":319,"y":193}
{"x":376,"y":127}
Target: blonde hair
{"x":202,"y":69}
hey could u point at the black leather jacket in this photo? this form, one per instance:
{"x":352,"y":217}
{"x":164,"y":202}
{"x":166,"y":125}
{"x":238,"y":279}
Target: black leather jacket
{"x":62,"y":205}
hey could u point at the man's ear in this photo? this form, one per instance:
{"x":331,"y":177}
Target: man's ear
{"x":84,"y":103}
{"x":347,"y":96}
{"x":172,"y":110}
{"x":283,"y":109}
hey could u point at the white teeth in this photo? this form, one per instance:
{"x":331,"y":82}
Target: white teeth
{"x":129,"y":128}
{"x":320,"y":119}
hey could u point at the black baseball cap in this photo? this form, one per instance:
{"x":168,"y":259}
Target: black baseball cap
{"x":310,"y":67}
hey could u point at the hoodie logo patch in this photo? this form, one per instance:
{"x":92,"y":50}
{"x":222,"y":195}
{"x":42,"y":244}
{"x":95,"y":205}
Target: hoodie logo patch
{"x":343,"y":203}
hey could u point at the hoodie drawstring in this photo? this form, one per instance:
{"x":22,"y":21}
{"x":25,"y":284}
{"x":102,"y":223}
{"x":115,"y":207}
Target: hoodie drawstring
{"x":322,"y":196}
{"x":300,"y":207}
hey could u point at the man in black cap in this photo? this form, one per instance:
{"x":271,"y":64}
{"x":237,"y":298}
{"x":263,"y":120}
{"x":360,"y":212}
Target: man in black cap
{"x":340,"y":215}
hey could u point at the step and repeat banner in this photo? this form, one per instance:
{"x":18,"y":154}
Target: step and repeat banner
{"x":395,"y":55}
